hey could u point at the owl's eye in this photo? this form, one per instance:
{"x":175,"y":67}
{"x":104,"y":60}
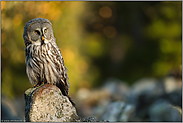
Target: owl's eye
{"x":45,"y":30}
{"x":37,"y":32}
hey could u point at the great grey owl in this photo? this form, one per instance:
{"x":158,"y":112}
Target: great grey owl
{"x":44,"y":61}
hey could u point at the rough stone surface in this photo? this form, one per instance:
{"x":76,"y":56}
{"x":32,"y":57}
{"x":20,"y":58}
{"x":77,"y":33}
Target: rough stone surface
{"x":47,"y":104}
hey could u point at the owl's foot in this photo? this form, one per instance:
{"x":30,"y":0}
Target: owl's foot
{"x":42,"y":83}
{"x":36,"y":85}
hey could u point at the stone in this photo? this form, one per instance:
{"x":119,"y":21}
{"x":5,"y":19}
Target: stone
{"x":143,"y":93}
{"x":144,"y":84}
{"x":128,"y":114}
{"x":88,"y":99}
{"x":118,"y":112}
{"x":175,"y":97}
{"x":8,"y":110}
{"x":7,"y":115}
{"x":172,"y":84}
{"x":47,"y":104}
{"x":118,"y":90}
{"x":163,"y":111}
{"x":89,"y":119}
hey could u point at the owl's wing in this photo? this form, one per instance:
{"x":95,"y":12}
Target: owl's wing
{"x":62,"y":70}
{"x":63,"y":84}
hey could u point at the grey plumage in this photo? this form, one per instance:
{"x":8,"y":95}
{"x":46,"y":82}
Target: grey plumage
{"x":44,"y":61}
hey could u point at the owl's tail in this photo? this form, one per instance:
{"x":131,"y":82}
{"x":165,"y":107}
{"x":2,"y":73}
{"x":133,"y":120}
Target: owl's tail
{"x":71,"y":101}
{"x":64,"y":89}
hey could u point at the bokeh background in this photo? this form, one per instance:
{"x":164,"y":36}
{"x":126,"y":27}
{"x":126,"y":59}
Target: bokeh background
{"x":98,"y":40}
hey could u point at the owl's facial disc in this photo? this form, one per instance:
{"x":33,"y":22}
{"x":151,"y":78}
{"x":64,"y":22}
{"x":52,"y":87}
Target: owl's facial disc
{"x":40,"y":33}
{"x":47,"y":30}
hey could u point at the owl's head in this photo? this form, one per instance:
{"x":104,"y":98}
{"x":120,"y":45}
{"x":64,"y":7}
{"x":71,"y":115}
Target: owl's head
{"x":38,"y":31}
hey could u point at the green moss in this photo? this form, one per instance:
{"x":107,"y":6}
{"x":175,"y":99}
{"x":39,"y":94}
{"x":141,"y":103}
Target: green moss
{"x":60,"y":114}
{"x":29,"y":91}
{"x":51,"y":93}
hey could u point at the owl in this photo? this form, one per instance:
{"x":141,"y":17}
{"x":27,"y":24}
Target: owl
{"x":44,"y":61}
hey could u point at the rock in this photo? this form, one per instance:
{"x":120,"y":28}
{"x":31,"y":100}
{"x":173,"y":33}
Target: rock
{"x":19,"y":105}
{"x":7,"y":115}
{"x":128,"y":114}
{"x":140,"y":86}
{"x":87,"y":99}
{"x":93,"y":102}
{"x":118,"y":112}
{"x":99,"y":110}
{"x":89,"y":119}
{"x":8,"y":111}
{"x":47,"y":104}
{"x":143,"y":93}
{"x":172,"y":84}
{"x":163,"y":111}
{"x":118,"y":90}
{"x":175,"y":97}
{"x":145,"y":84}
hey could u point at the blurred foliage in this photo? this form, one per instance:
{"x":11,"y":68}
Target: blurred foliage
{"x":98,"y":40}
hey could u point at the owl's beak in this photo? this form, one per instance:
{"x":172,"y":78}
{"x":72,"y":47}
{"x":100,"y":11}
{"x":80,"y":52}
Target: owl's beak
{"x":42,"y":38}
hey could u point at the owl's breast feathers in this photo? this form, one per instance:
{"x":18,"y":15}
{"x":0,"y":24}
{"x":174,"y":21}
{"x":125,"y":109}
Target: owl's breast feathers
{"x":45,"y":64}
